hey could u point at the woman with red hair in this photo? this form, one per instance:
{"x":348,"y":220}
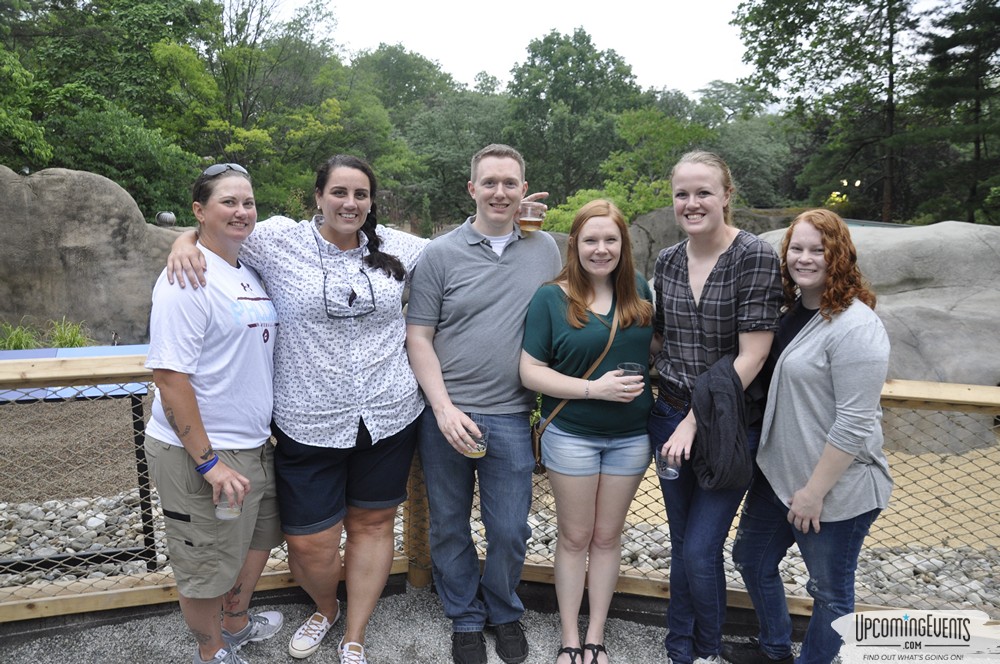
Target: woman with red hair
{"x":823,"y":476}
{"x":596,"y":448}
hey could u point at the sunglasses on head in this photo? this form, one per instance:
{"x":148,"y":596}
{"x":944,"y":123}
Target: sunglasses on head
{"x":219,"y":169}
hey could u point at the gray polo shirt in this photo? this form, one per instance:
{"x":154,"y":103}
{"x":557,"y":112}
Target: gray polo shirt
{"x":476,"y":301}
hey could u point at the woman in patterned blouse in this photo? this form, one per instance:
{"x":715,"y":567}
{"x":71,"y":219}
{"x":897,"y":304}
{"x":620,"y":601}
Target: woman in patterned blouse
{"x":346,"y":400}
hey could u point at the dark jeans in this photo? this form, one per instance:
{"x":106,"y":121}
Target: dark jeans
{"x":831,"y":557}
{"x":699,"y":522}
{"x":472,"y":600}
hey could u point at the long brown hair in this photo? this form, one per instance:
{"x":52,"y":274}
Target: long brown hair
{"x":844,"y":281}
{"x":633,"y":310}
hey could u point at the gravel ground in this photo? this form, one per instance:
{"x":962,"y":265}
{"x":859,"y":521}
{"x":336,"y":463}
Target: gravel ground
{"x":409,"y":627}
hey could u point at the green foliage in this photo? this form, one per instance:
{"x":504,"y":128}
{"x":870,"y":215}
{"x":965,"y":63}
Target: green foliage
{"x":654,"y":143}
{"x":57,"y":334}
{"x":189,"y":95}
{"x":426,"y":227}
{"x":146,"y":92}
{"x":100,"y":137}
{"x":22,"y":141}
{"x":632,"y":201}
{"x":446,"y":135}
{"x":107,"y":45}
{"x":17,"y":337}
{"x":759,"y":153}
{"x":405,"y":83}
{"x":961,"y":85}
{"x":65,"y":334}
{"x":854,"y":54}
{"x":565,"y":99}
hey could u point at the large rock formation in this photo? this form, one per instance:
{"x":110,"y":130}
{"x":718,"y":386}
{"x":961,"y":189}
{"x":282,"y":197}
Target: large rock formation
{"x":75,"y":245}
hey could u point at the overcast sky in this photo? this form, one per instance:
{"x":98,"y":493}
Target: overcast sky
{"x":673,"y":44}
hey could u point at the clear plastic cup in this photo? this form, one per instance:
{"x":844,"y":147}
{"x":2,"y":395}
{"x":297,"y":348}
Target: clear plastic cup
{"x":664,"y":469}
{"x":630,"y":368}
{"x":480,"y":450}
{"x":227,"y":511}
{"x":530,"y":216}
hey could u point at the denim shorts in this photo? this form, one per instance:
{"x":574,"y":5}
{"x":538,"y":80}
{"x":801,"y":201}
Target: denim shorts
{"x":579,"y":456}
{"x":316,"y":484}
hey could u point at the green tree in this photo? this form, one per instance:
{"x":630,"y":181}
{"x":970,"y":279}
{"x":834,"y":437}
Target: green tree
{"x":721,"y":102}
{"x":107,"y":44}
{"x":819,"y":51}
{"x":758,"y":151}
{"x":565,"y":99}
{"x":22,"y":141}
{"x":406,"y":83}
{"x":100,"y":137}
{"x":446,"y":135}
{"x":962,"y":87}
{"x":654,"y":142}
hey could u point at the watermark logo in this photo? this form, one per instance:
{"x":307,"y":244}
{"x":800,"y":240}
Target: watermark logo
{"x":918,"y":636}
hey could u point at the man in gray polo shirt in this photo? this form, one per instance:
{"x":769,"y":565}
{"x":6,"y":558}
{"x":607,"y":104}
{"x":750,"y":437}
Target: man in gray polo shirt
{"x":465,"y":322}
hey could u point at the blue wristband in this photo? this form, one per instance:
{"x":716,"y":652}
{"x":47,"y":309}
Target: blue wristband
{"x":208,"y":465}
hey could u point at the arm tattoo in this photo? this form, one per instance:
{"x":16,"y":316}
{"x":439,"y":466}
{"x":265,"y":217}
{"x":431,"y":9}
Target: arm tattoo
{"x":207,"y":454}
{"x":169,"y":413}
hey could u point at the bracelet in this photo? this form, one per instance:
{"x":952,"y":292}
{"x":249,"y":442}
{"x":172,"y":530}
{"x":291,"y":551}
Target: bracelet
{"x":208,"y":465}
{"x":586,"y":390}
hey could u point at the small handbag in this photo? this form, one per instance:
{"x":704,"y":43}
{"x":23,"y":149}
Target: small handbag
{"x":539,"y":427}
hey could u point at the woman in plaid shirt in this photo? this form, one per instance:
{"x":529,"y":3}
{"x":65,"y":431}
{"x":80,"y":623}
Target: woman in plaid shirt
{"x":718,"y":294}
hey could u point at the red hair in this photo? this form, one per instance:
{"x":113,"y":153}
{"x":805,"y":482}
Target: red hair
{"x":844,"y":281}
{"x":632,"y":308}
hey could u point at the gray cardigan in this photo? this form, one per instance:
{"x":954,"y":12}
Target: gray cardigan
{"x":826,"y":387}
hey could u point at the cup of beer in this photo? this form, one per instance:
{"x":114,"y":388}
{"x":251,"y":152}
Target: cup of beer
{"x":479,"y":441}
{"x":530,"y":216}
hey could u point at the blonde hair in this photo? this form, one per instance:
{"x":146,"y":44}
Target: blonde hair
{"x":712,"y":160}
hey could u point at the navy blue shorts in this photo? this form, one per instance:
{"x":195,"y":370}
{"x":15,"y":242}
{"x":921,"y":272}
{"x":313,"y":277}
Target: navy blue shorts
{"x":316,"y":484}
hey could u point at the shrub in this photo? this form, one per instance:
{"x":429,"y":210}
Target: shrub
{"x":57,"y":334}
{"x":19,"y":337}
{"x":66,"y":334}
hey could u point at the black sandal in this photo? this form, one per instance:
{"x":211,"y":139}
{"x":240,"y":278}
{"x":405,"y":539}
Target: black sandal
{"x":572,"y":652}
{"x":595,"y":649}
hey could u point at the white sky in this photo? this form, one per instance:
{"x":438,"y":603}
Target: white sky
{"x":677,"y":44}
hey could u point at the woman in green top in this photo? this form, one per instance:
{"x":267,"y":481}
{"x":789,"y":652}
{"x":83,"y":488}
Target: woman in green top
{"x":596,"y":449}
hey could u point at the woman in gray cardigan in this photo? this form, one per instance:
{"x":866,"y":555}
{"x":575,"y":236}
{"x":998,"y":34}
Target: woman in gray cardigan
{"x":823,"y":477}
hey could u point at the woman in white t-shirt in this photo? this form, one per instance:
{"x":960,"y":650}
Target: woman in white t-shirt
{"x":207,"y":438}
{"x":346,"y":401}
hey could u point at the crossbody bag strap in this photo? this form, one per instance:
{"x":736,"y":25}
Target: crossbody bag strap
{"x":592,"y":369}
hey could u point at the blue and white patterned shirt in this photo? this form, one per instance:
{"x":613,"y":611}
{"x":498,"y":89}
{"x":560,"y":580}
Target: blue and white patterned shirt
{"x":330,"y":373}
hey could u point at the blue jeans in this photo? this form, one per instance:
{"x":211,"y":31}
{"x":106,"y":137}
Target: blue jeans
{"x":471,"y":601}
{"x":699,"y":523}
{"x":831,"y":557}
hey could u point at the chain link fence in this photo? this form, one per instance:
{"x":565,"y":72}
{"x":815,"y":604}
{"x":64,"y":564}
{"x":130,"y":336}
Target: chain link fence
{"x":79,"y":517}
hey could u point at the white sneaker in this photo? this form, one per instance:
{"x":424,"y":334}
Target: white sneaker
{"x":351,"y":653}
{"x":714,"y":659}
{"x":307,"y":638}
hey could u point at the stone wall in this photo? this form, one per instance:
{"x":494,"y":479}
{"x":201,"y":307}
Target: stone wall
{"x":76,"y":245}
